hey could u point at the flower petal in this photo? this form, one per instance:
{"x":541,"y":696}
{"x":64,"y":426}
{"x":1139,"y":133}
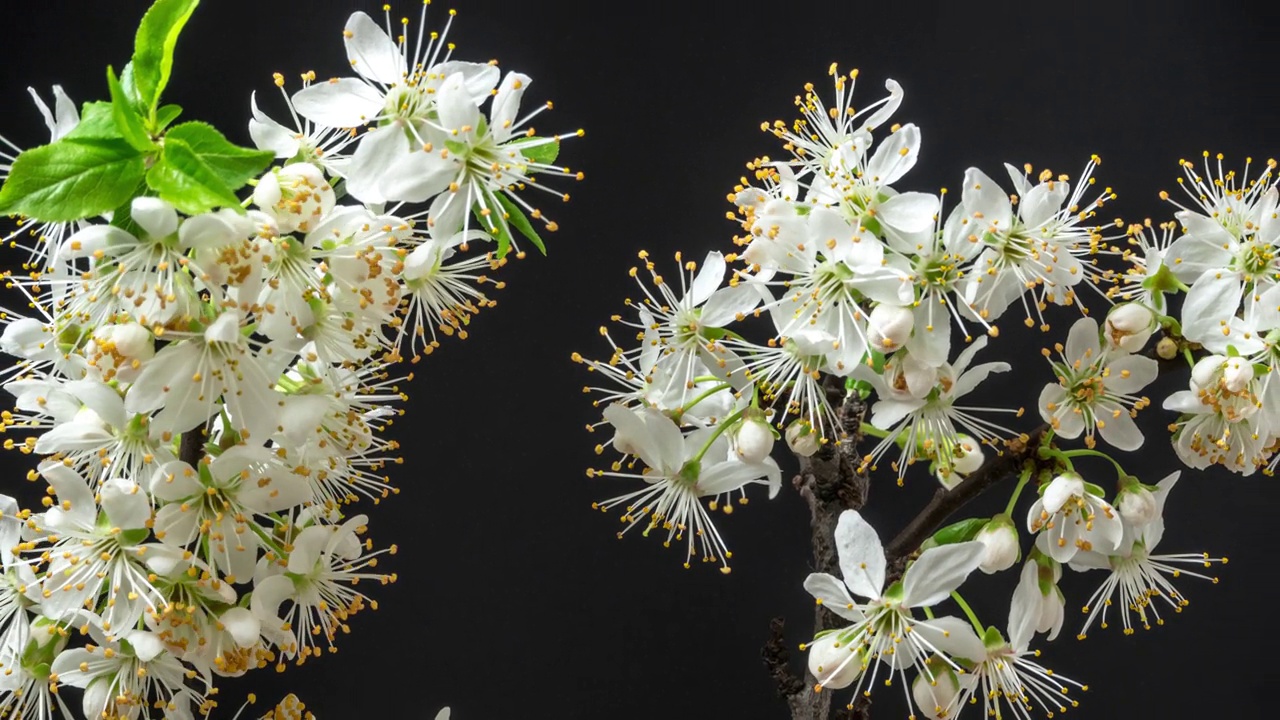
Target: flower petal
{"x":339,"y":103}
{"x":371,"y":51}
{"x":861,"y":555}
{"x":938,"y":571}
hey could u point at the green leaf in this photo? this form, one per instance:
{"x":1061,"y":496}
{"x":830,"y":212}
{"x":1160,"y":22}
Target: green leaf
{"x":233,"y":164}
{"x":97,"y":122}
{"x":126,"y":117}
{"x":959,"y":532}
{"x":545,"y":153}
{"x":167,"y":114}
{"x":185,"y":181}
{"x":500,"y":231}
{"x":72,"y":180}
{"x":517,"y":218}
{"x":153,"y":48}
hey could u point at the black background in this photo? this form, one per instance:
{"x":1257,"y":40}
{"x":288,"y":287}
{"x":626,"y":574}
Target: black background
{"x":514,"y":599}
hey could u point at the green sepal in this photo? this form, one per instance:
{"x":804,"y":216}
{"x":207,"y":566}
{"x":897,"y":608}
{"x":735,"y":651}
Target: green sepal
{"x":233,"y":164}
{"x":153,"y":49}
{"x":134,"y":536}
{"x":517,"y":218}
{"x":959,"y":532}
{"x":72,"y":180}
{"x":1095,"y":490}
{"x":185,"y":181}
{"x":992,"y":639}
{"x":127,"y":120}
{"x":1163,"y":281}
{"x":894,"y":592}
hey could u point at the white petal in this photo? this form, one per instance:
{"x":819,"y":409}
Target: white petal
{"x":126,"y":505}
{"x":1214,"y":298}
{"x":339,"y":103}
{"x":506,"y":105}
{"x":1024,"y":610}
{"x":459,"y":113}
{"x":372,"y":52}
{"x":861,"y":555}
{"x":267,"y":134}
{"x":895,"y":157}
{"x":417,"y":177}
{"x":243,"y":625}
{"x":1082,"y":342}
{"x":938,"y":571}
{"x":909,"y":212}
{"x":952,"y":636}
{"x":155,"y":216}
{"x":1118,"y":429}
{"x":833,"y":595}
{"x":709,"y":277}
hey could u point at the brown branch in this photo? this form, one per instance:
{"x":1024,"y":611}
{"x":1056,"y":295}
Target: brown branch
{"x":993,"y":472}
{"x":830,"y":483}
{"x":945,"y":502}
{"x":191,"y":447}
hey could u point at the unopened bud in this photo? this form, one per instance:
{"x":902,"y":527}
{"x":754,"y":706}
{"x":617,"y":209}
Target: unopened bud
{"x":1129,"y":326}
{"x":935,"y":695}
{"x":1205,"y":370}
{"x":835,"y":664}
{"x":801,"y":438}
{"x":889,"y":327}
{"x":1237,"y":373}
{"x":1166,"y":348}
{"x":1000,"y":538}
{"x":1137,"y":505}
{"x":753,"y":441}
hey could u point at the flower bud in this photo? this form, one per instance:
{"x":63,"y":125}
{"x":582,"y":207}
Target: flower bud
{"x":753,"y":441}
{"x":1129,"y":326}
{"x":1204,"y":371}
{"x":801,"y":438}
{"x":1137,"y":505}
{"x":835,"y":664}
{"x":1166,"y":348}
{"x":1000,"y":538}
{"x":889,"y":327}
{"x":935,"y":696}
{"x":298,"y":196}
{"x":1237,"y":373}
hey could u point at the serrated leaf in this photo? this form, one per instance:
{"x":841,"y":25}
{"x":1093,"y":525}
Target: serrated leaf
{"x":545,"y":153}
{"x":959,"y":532}
{"x":517,"y":218}
{"x":97,"y":122}
{"x":126,"y":117}
{"x":72,"y":180}
{"x":153,"y":48}
{"x":233,"y":164}
{"x":183,"y":180}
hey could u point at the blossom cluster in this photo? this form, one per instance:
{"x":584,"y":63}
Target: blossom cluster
{"x":868,"y":290}
{"x":207,"y":381}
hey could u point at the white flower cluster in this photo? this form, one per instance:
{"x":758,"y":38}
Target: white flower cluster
{"x":945,"y":663}
{"x":208,"y":391}
{"x":861,"y":283}
{"x":1226,"y":262}
{"x":863,"y":286}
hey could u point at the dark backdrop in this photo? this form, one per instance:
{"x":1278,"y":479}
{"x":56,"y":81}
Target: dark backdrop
{"x":514,"y":599}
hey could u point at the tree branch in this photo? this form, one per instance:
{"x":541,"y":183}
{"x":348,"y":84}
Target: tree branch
{"x":830,"y":483}
{"x":945,"y":502}
{"x":191,"y":447}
